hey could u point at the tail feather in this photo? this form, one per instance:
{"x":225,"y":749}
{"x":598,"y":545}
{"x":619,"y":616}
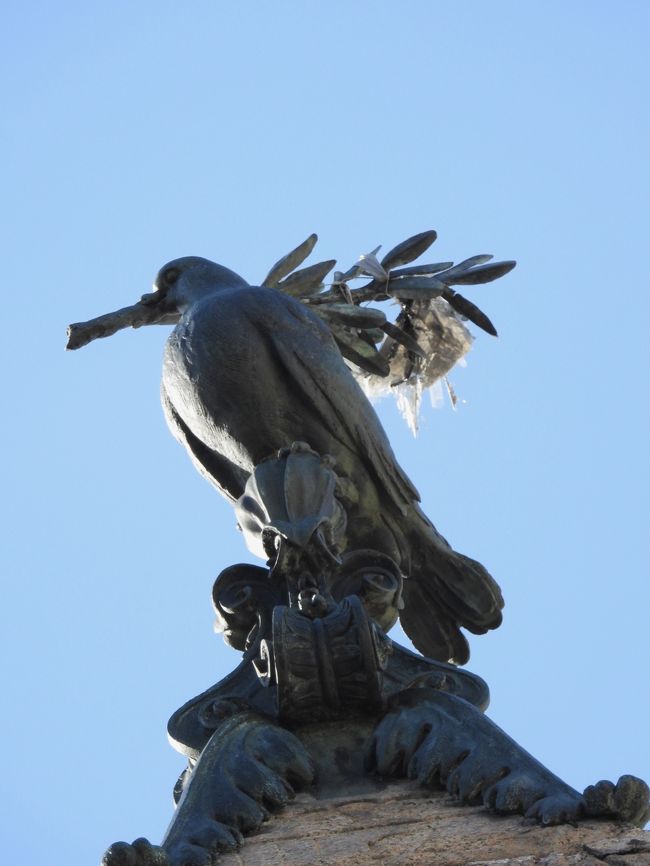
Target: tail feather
{"x":467,"y":590}
{"x":447,"y":591}
{"x":431,"y":630}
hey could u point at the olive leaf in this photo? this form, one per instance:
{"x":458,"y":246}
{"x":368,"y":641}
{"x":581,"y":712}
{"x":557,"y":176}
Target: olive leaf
{"x":472,"y":261}
{"x":408,"y":250}
{"x":421,"y":270}
{"x":290,"y":262}
{"x":483,"y":274}
{"x":360,"y":352}
{"x":352,"y":315}
{"x":398,"y":335}
{"x":307,"y":281}
{"x":375,"y":335}
{"x":351,"y":273}
{"x":415,"y":288}
{"x":370,"y":266}
{"x":470,"y":311}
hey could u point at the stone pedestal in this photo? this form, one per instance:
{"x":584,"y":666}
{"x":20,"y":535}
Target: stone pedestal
{"x":401,"y":825}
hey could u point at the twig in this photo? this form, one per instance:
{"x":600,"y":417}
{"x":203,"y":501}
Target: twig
{"x":82,"y":333}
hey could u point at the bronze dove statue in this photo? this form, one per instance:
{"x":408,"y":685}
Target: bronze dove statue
{"x":248,"y":370}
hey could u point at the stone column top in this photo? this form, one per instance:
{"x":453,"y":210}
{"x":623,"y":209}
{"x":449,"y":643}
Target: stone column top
{"x":404,"y":825}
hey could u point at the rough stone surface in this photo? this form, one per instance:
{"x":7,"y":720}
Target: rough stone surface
{"x":404,"y":826}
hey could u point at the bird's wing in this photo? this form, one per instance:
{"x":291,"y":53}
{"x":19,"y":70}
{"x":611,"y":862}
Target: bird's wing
{"x":228,"y":478}
{"x":305,"y":349}
{"x":252,"y":370}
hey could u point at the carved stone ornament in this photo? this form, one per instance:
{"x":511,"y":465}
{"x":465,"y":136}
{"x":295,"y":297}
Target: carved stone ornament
{"x":255,"y":386}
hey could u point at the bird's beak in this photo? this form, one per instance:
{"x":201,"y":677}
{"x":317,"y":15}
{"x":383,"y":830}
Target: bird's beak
{"x":152,"y":298}
{"x":159,"y":302}
{"x":160,"y":292}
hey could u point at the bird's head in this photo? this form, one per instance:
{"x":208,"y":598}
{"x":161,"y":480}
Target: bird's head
{"x":178,"y":286}
{"x":182,"y":282}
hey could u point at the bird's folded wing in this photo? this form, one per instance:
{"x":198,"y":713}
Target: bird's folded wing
{"x":312,"y":361}
{"x":228,"y":478}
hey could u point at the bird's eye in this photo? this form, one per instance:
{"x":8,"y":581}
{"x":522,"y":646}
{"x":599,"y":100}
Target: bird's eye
{"x":170,"y":276}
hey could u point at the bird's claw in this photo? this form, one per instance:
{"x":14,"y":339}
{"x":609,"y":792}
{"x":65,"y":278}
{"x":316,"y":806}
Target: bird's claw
{"x":560,"y":808}
{"x":202,"y":848}
{"x":444,"y":742}
{"x":140,"y":853}
{"x":627,"y":800}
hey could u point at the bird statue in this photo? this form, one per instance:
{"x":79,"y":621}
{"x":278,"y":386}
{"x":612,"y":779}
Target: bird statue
{"x":263,"y":387}
{"x":248,"y":370}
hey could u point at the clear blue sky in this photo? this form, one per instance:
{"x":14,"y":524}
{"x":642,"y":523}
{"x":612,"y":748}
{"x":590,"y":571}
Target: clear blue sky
{"x":132,"y":133}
